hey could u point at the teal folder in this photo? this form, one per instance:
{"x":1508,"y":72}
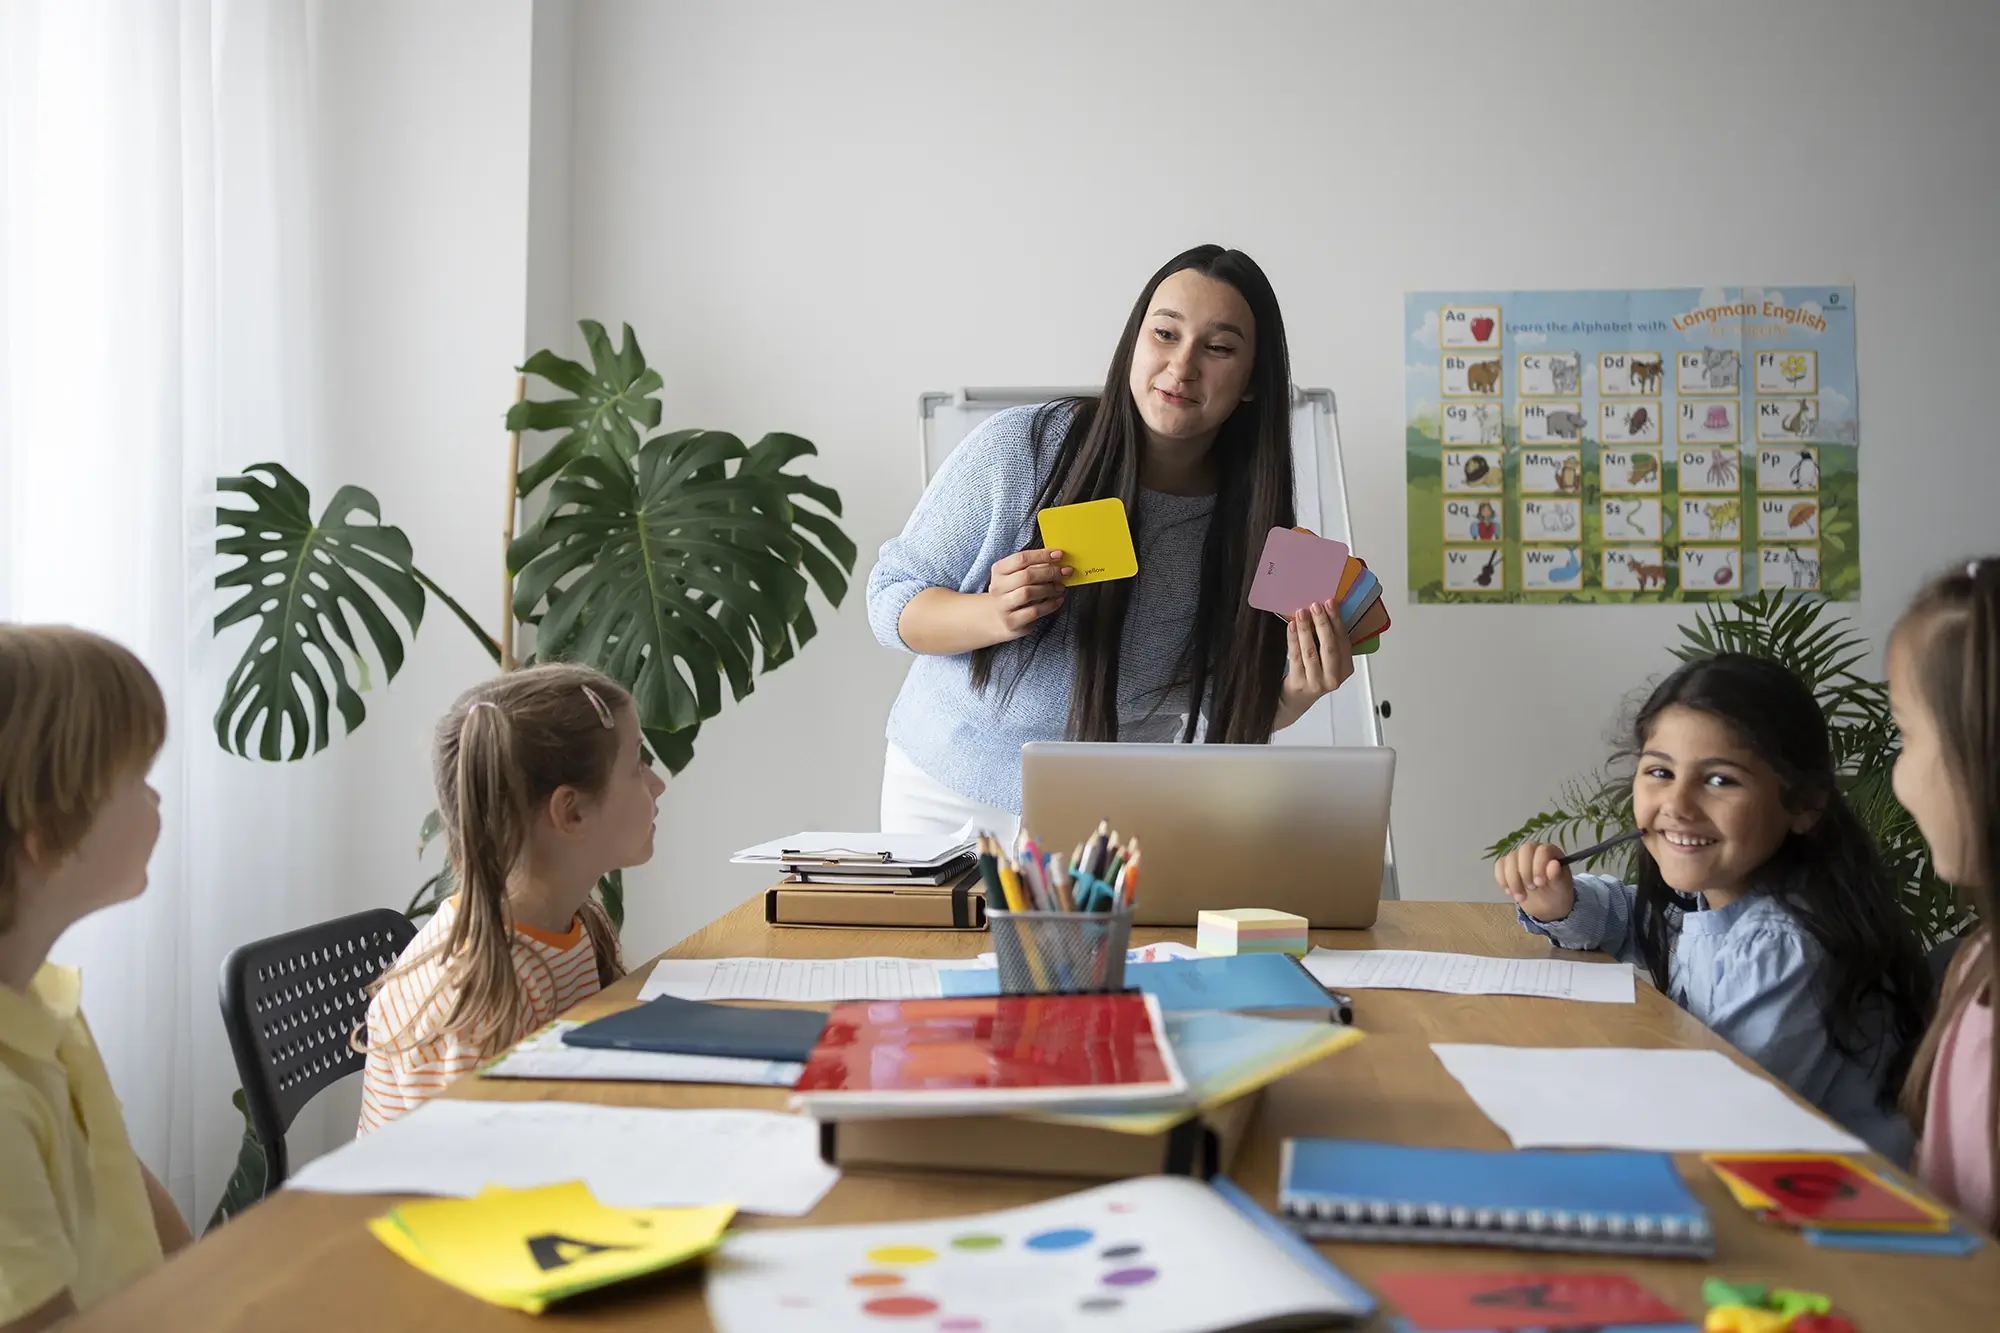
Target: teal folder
{"x":1596,"y":1202}
{"x":1267,"y":985}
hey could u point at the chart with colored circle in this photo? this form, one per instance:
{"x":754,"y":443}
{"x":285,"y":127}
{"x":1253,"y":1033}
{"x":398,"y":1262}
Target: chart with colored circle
{"x":1159,"y":1254}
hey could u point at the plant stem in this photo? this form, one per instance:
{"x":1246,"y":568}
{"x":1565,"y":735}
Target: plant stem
{"x":485,"y":639}
{"x":507,"y":662}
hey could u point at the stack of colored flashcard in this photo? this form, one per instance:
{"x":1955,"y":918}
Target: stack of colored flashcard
{"x":1299,"y":569}
{"x":1823,"y":1190}
{"x":1838,"y":1203}
{"x":1251,"y":930}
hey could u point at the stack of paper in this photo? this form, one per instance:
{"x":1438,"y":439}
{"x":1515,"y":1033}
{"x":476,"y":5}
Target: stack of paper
{"x":831,"y":858}
{"x":526,"y":1248}
{"x":1251,"y":930}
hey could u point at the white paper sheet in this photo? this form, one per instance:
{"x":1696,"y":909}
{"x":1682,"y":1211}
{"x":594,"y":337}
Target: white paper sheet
{"x":1471,"y":974}
{"x":799,"y":980}
{"x":1612,"y":1097}
{"x":629,"y":1157}
{"x":545,"y":1056}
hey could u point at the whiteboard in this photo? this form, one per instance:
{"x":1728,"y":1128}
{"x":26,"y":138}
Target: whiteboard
{"x":1349,"y":715}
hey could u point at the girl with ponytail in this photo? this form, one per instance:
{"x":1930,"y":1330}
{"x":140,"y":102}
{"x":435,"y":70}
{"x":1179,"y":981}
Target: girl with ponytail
{"x":544,"y":788}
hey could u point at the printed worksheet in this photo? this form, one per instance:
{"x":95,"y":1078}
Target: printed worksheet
{"x":1471,"y":974}
{"x":799,"y":980}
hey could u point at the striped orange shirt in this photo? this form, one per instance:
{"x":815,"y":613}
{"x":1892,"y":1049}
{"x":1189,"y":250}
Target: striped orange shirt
{"x":555,"y":972}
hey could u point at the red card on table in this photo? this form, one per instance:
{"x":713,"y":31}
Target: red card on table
{"x":1827,"y":1191}
{"x":1452,"y":1301}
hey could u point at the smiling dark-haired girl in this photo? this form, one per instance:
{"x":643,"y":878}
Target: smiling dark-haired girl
{"x":1192,"y":432}
{"x":1761,"y":906}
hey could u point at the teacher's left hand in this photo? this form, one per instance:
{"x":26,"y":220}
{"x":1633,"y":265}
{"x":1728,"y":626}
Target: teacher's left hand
{"x":1318,"y":657}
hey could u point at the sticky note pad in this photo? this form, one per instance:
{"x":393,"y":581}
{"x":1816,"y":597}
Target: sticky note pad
{"x":1295,"y":570}
{"x":1240,"y":930}
{"x":1095,"y":539}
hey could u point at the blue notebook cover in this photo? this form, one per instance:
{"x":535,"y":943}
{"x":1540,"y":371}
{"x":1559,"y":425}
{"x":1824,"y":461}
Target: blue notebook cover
{"x":1623,"y":1202}
{"x":670,"y":1026}
{"x":1254,"y":983}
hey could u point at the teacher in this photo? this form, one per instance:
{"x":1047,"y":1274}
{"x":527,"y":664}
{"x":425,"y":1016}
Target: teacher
{"x":1193,"y":433}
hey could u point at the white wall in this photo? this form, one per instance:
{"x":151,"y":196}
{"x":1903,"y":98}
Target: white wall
{"x":812,"y":212}
{"x":421,"y":118}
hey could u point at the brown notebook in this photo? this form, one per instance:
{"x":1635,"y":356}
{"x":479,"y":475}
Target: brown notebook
{"x":960,"y":905}
{"x":1201,"y":1146}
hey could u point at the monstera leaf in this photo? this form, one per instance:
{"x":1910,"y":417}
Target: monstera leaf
{"x":678,"y":569}
{"x":303,"y":583}
{"x":603,"y":416}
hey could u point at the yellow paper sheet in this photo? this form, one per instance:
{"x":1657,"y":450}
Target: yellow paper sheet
{"x":1095,"y":539}
{"x":526,"y":1248}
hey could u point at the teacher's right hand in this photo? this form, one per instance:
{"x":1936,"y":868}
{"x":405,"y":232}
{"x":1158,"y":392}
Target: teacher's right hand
{"x":1025,"y":587}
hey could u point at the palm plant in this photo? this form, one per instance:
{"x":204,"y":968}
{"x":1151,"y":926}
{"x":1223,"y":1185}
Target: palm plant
{"x":671,"y":563}
{"x":1824,"y":651}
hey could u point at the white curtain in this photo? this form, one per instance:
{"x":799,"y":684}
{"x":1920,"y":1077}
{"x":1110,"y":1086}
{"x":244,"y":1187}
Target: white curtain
{"x":156,"y":318}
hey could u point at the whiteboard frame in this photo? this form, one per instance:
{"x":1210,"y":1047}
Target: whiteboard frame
{"x":1319,"y":483}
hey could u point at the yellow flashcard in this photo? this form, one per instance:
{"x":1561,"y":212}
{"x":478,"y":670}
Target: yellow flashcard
{"x":526,"y":1248}
{"x":1094,"y":538}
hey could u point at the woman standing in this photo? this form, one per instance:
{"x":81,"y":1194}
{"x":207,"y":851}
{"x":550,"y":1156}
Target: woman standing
{"x":1193,"y":433}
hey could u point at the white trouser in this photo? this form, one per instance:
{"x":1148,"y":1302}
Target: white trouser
{"x":915,"y":802}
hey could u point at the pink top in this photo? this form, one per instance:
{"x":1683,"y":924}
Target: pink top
{"x":1955,"y":1158}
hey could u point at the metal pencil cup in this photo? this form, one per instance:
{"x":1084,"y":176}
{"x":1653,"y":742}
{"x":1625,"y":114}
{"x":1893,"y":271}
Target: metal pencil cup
{"x":1055,"y":952}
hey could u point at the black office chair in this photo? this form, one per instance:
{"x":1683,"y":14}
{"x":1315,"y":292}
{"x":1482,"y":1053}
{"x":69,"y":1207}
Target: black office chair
{"x":290,"y":1004}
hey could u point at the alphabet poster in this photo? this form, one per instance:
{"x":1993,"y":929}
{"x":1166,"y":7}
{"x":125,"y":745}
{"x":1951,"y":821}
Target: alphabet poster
{"x":1632,"y":446}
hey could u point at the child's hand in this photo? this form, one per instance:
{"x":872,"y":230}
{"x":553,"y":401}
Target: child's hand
{"x":1534,"y":876}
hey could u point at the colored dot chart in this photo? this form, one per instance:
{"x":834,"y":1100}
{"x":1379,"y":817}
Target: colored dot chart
{"x":1156,"y":1253}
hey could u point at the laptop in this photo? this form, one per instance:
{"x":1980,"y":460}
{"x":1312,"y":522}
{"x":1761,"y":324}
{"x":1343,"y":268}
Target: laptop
{"x":1301,"y":829}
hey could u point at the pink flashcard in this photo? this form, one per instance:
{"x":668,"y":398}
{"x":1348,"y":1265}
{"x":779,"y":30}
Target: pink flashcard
{"x":1296,"y":570}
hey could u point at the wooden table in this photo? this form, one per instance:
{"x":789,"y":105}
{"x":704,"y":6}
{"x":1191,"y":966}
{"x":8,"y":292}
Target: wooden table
{"x":305,"y":1260}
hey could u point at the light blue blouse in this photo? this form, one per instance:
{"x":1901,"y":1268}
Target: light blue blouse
{"x":1748,"y":971}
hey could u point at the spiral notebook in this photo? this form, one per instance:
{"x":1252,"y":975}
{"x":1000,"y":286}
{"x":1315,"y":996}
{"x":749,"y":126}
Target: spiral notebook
{"x":1595,"y":1202}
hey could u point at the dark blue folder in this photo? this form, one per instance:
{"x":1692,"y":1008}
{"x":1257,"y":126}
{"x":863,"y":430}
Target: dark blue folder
{"x":668,"y":1026}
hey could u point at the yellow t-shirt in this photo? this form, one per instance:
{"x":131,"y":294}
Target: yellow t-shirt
{"x":73,"y":1213}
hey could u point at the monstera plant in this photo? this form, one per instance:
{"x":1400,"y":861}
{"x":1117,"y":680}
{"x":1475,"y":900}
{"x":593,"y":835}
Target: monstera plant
{"x":672,"y":562}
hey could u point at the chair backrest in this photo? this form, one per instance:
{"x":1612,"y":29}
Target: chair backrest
{"x":290,"y":1003}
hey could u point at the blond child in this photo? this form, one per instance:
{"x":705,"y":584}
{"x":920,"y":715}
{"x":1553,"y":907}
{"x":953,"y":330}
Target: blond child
{"x":544,"y":787}
{"x":80,"y":1216}
{"x":1944,"y":690}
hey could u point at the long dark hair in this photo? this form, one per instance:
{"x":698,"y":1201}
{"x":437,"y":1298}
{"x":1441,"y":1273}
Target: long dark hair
{"x":1233,"y":662}
{"x":1952,"y":633}
{"x":1830,"y":877}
